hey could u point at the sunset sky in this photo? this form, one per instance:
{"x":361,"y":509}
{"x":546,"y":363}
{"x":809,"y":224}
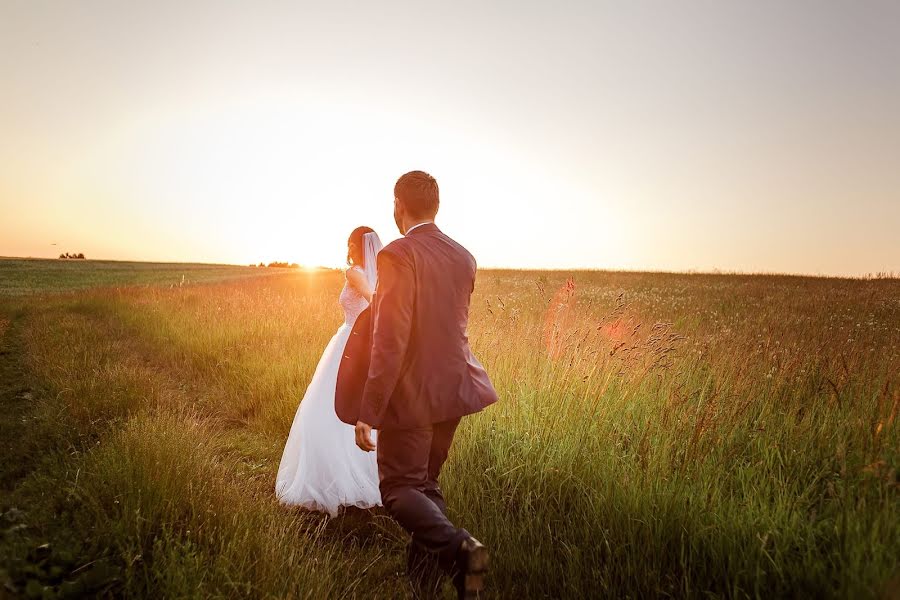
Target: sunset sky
{"x":750,"y":136}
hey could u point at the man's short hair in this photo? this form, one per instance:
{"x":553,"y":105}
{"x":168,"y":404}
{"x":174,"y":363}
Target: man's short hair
{"x":418,"y":191}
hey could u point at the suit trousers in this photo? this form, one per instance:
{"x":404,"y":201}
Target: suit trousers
{"x":409,"y":463}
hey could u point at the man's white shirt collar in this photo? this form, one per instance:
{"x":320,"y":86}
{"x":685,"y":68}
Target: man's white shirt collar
{"x":408,"y":231}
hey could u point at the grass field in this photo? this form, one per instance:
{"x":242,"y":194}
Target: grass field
{"x":23,"y":276}
{"x":658,"y":435}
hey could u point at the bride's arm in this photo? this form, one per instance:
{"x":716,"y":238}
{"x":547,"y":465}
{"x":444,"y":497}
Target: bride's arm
{"x":357,"y":280}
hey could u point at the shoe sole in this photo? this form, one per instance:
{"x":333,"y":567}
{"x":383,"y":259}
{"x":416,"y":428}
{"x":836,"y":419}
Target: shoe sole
{"x":476,"y":569}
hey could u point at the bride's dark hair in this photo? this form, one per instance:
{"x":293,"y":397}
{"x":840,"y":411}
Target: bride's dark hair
{"x":355,"y":251}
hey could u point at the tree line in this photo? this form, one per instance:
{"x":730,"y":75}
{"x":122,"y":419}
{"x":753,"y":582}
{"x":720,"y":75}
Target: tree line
{"x":283,"y":265}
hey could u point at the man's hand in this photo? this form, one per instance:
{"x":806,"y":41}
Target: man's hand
{"x":364,"y":436}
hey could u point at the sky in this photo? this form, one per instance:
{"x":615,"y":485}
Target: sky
{"x":757,"y":136}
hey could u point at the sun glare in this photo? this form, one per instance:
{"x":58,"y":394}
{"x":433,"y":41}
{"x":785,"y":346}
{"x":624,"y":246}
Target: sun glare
{"x":264,"y":179}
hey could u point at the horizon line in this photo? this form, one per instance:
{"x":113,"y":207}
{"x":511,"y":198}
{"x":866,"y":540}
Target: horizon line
{"x":871,"y":275}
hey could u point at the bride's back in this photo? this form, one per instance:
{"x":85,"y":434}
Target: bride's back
{"x":352,"y":301}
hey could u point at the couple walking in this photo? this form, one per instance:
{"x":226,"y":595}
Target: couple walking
{"x":378,"y":418}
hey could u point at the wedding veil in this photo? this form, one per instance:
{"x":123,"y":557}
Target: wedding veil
{"x":372,"y":246}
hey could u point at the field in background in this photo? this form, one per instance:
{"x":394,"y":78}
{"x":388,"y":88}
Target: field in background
{"x":24,"y":276}
{"x":658,"y":436}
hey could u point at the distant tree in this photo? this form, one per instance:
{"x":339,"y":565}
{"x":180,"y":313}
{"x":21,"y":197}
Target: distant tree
{"x":80,"y":255}
{"x":63,"y":256}
{"x":260,"y":265}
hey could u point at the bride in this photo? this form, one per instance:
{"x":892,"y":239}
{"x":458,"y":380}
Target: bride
{"x":322,"y":468}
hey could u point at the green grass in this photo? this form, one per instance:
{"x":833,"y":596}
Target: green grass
{"x":658,"y":436}
{"x":24,"y":276}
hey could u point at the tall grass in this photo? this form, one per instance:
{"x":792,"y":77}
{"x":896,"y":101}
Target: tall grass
{"x":658,"y":435}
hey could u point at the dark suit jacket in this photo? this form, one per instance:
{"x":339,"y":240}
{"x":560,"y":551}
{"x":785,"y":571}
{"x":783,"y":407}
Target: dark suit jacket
{"x":411,"y":343}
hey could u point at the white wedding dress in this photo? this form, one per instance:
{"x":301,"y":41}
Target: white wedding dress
{"x":322,"y":469}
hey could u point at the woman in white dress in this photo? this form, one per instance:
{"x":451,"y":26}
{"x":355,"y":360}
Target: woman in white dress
{"x":322,"y":469}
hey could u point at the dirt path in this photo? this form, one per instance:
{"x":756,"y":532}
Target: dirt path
{"x":15,"y":403}
{"x":20,"y":549}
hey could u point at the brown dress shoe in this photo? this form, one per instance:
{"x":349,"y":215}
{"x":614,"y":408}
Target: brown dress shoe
{"x":471,"y":567}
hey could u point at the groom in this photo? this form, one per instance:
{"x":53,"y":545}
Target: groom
{"x":422,"y":380}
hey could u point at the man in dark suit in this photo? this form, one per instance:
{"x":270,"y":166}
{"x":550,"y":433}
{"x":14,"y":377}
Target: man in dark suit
{"x":422,"y":380}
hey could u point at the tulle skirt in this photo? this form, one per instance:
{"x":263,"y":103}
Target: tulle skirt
{"x":322,"y":468}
